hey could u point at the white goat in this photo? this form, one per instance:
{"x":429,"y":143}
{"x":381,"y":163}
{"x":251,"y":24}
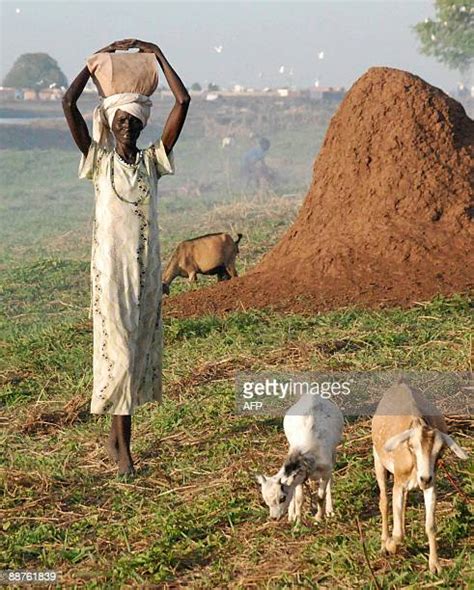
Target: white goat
{"x":408,"y":435}
{"x":313,"y":428}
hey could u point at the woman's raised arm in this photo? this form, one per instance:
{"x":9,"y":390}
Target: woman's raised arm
{"x":75,"y":120}
{"x":175,"y":121}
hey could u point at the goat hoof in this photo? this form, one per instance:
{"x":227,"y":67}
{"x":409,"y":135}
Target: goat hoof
{"x":330,"y":514}
{"x":435,"y":568}
{"x":392,"y":545}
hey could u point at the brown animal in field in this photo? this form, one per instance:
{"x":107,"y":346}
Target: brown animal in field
{"x":212,"y":254}
{"x":409,"y":435}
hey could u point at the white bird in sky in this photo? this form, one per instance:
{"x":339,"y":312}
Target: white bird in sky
{"x":218,"y":48}
{"x":18,"y":10}
{"x":320,"y":54}
{"x":282,"y":69}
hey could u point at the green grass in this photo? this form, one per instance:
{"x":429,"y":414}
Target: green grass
{"x":193,"y":516}
{"x":45,"y":210}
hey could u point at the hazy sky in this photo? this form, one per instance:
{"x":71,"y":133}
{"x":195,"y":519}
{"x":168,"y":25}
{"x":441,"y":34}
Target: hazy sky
{"x":257,"y":38}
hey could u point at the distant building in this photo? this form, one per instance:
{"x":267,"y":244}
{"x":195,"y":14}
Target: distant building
{"x":241,"y":92}
{"x":30,"y":94}
{"x":211,"y":96}
{"x":329,"y":94}
{"x":51,"y":94}
{"x":7,"y":93}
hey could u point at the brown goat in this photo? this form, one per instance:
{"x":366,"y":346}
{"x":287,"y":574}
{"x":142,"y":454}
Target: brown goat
{"x":212,"y":254}
{"x":409,"y":435}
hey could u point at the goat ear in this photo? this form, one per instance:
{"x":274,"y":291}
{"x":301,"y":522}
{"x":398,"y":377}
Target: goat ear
{"x":417,"y":422}
{"x":287,"y":480}
{"x":261,"y":479}
{"x":397,"y":440}
{"x":296,"y":469}
{"x":293,"y":464}
{"x":456,"y":449}
{"x":285,"y":483}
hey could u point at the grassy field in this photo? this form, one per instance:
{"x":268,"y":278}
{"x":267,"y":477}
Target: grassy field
{"x":193,"y":516}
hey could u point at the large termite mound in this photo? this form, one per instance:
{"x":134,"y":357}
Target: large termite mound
{"x":387,"y":219}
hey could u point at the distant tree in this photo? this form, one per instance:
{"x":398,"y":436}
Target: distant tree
{"x":450,"y":36}
{"x":196,"y":86}
{"x":212,"y":87}
{"x":35,"y":70}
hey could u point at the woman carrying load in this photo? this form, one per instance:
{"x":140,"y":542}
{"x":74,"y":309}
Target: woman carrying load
{"x":125,"y":265}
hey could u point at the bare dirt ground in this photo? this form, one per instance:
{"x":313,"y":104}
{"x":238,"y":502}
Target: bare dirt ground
{"x":388,"y":216}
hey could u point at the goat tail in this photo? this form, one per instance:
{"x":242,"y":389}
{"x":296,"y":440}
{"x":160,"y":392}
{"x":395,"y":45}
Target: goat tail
{"x":239,"y":237}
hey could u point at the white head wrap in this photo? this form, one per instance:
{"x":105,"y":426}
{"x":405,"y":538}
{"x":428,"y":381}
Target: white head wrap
{"x":137,"y":105}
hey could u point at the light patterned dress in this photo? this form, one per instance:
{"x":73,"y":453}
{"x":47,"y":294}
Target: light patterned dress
{"x":126,"y":277}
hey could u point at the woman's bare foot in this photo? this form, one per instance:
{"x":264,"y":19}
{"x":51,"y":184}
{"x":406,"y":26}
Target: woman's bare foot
{"x":112,"y":448}
{"x":119,"y":445}
{"x":125,"y":465}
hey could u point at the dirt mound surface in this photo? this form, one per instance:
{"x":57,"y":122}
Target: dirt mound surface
{"x":387,"y":219}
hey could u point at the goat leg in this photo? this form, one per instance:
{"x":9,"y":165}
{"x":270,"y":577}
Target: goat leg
{"x":395,"y":540}
{"x":429,"y":496}
{"x":296,"y":504}
{"x":231,"y":270}
{"x":404,"y":509}
{"x":381,"y":475}
{"x":329,"y":508}
{"x":321,"y":497}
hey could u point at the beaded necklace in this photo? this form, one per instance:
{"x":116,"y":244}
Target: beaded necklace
{"x":142,"y":184}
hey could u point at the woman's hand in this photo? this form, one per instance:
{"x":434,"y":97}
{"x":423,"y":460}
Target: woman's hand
{"x":145,"y":47}
{"x":123,"y":45}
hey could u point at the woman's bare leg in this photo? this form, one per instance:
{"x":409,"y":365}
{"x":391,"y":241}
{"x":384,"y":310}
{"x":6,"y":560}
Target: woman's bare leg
{"x":119,"y":444}
{"x":112,"y":442}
